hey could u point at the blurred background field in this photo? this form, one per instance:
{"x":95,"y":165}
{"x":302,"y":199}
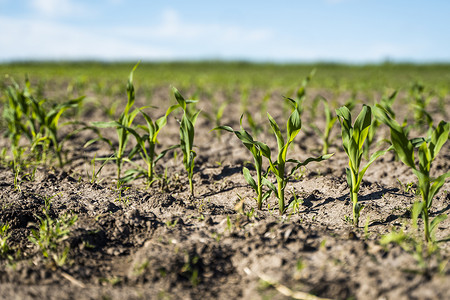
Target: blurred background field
{"x":209,"y":75}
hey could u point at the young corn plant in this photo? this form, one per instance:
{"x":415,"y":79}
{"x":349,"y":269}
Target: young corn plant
{"x":122,"y":128}
{"x":26,"y":116}
{"x":420,"y":101}
{"x":49,"y":124}
{"x":330,"y":120}
{"x":216,"y":116}
{"x":278,"y":167}
{"x":353,"y":138}
{"x":422,"y":252}
{"x":255,"y":149}
{"x":148,"y":154}
{"x":187,"y":136}
{"x":15,"y":113}
{"x":428,"y":149}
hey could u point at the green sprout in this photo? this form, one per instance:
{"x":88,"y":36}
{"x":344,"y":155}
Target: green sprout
{"x":278,"y":167}
{"x":428,"y":149}
{"x":330,"y":120}
{"x":50,"y":233}
{"x":4,"y":235}
{"x":187,"y":136}
{"x":122,"y":128}
{"x":29,"y":117}
{"x":149,"y":137}
{"x":353,"y":138}
{"x":255,"y":148}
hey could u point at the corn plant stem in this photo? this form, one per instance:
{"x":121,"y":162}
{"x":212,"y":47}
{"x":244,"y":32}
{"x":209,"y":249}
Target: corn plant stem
{"x":258,"y":164}
{"x":119,"y":169}
{"x":151,"y":161}
{"x":354,"y":198}
{"x":281,"y":185}
{"x":191,"y":186}
{"x":259,"y":191}
{"x":325,"y":147}
{"x":281,"y":196}
{"x":425,"y":195}
{"x":426,"y":224}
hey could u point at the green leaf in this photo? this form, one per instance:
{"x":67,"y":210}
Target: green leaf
{"x":348,"y":172}
{"x":294,"y":125}
{"x":437,"y":184}
{"x":248,"y":177}
{"x":438,"y":138}
{"x":345,"y":118}
{"x":424,"y":158}
{"x":403,"y":147}
{"x":417,"y":208}
{"x":130,"y":90}
{"x":164,"y":152}
{"x":179,"y":98}
{"x":393,"y":237}
{"x":307,"y":161}
{"x":276,"y":130}
{"x":362,"y":125}
{"x":266,"y":195}
{"x":90,"y":142}
{"x":436,"y":222}
{"x":269,"y":184}
{"x":224,"y":127}
{"x":265,"y":150}
{"x":373,"y":157}
{"x":106,"y":124}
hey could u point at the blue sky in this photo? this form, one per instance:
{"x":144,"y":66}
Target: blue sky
{"x":356,"y":31}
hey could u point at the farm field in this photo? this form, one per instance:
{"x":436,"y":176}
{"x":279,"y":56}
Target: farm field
{"x":102,"y":199}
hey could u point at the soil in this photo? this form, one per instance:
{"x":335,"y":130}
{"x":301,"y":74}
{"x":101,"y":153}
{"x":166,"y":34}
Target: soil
{"x":160,"y":242}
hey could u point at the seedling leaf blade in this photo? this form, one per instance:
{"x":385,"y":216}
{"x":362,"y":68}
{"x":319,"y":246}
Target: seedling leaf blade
{"x":248,"y":177}
{"x":438,"y":138}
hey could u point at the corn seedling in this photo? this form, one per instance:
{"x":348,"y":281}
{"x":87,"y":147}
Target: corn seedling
{"x":420,"y":102}
{"x":216,"y":116}
{"x":27,"y":116}
{"x":149,"y":137}
{"x":255,"y":149}
{"x":428,"y":149}
{"x":421,"y":252}
{"x":187,"y":136}
{"x":330,"y":120}
{"x":278,"y":167}
{"x":15,"y":113}
{"x":353,"y":138}
{"x":49,"y":123}
{"x":122,"y":127}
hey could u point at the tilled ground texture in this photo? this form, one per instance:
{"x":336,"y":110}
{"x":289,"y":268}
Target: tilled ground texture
{"x":143,"y":242}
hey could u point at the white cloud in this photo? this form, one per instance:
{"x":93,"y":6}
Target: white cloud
{"x":172,"y":27}
{"x":37,"y":39}
{"x":56,"y":8}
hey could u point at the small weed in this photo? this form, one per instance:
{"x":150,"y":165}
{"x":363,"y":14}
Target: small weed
{"x":50,"y":234}
{"x":4,"y":235}
{"x":171,"y":223}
